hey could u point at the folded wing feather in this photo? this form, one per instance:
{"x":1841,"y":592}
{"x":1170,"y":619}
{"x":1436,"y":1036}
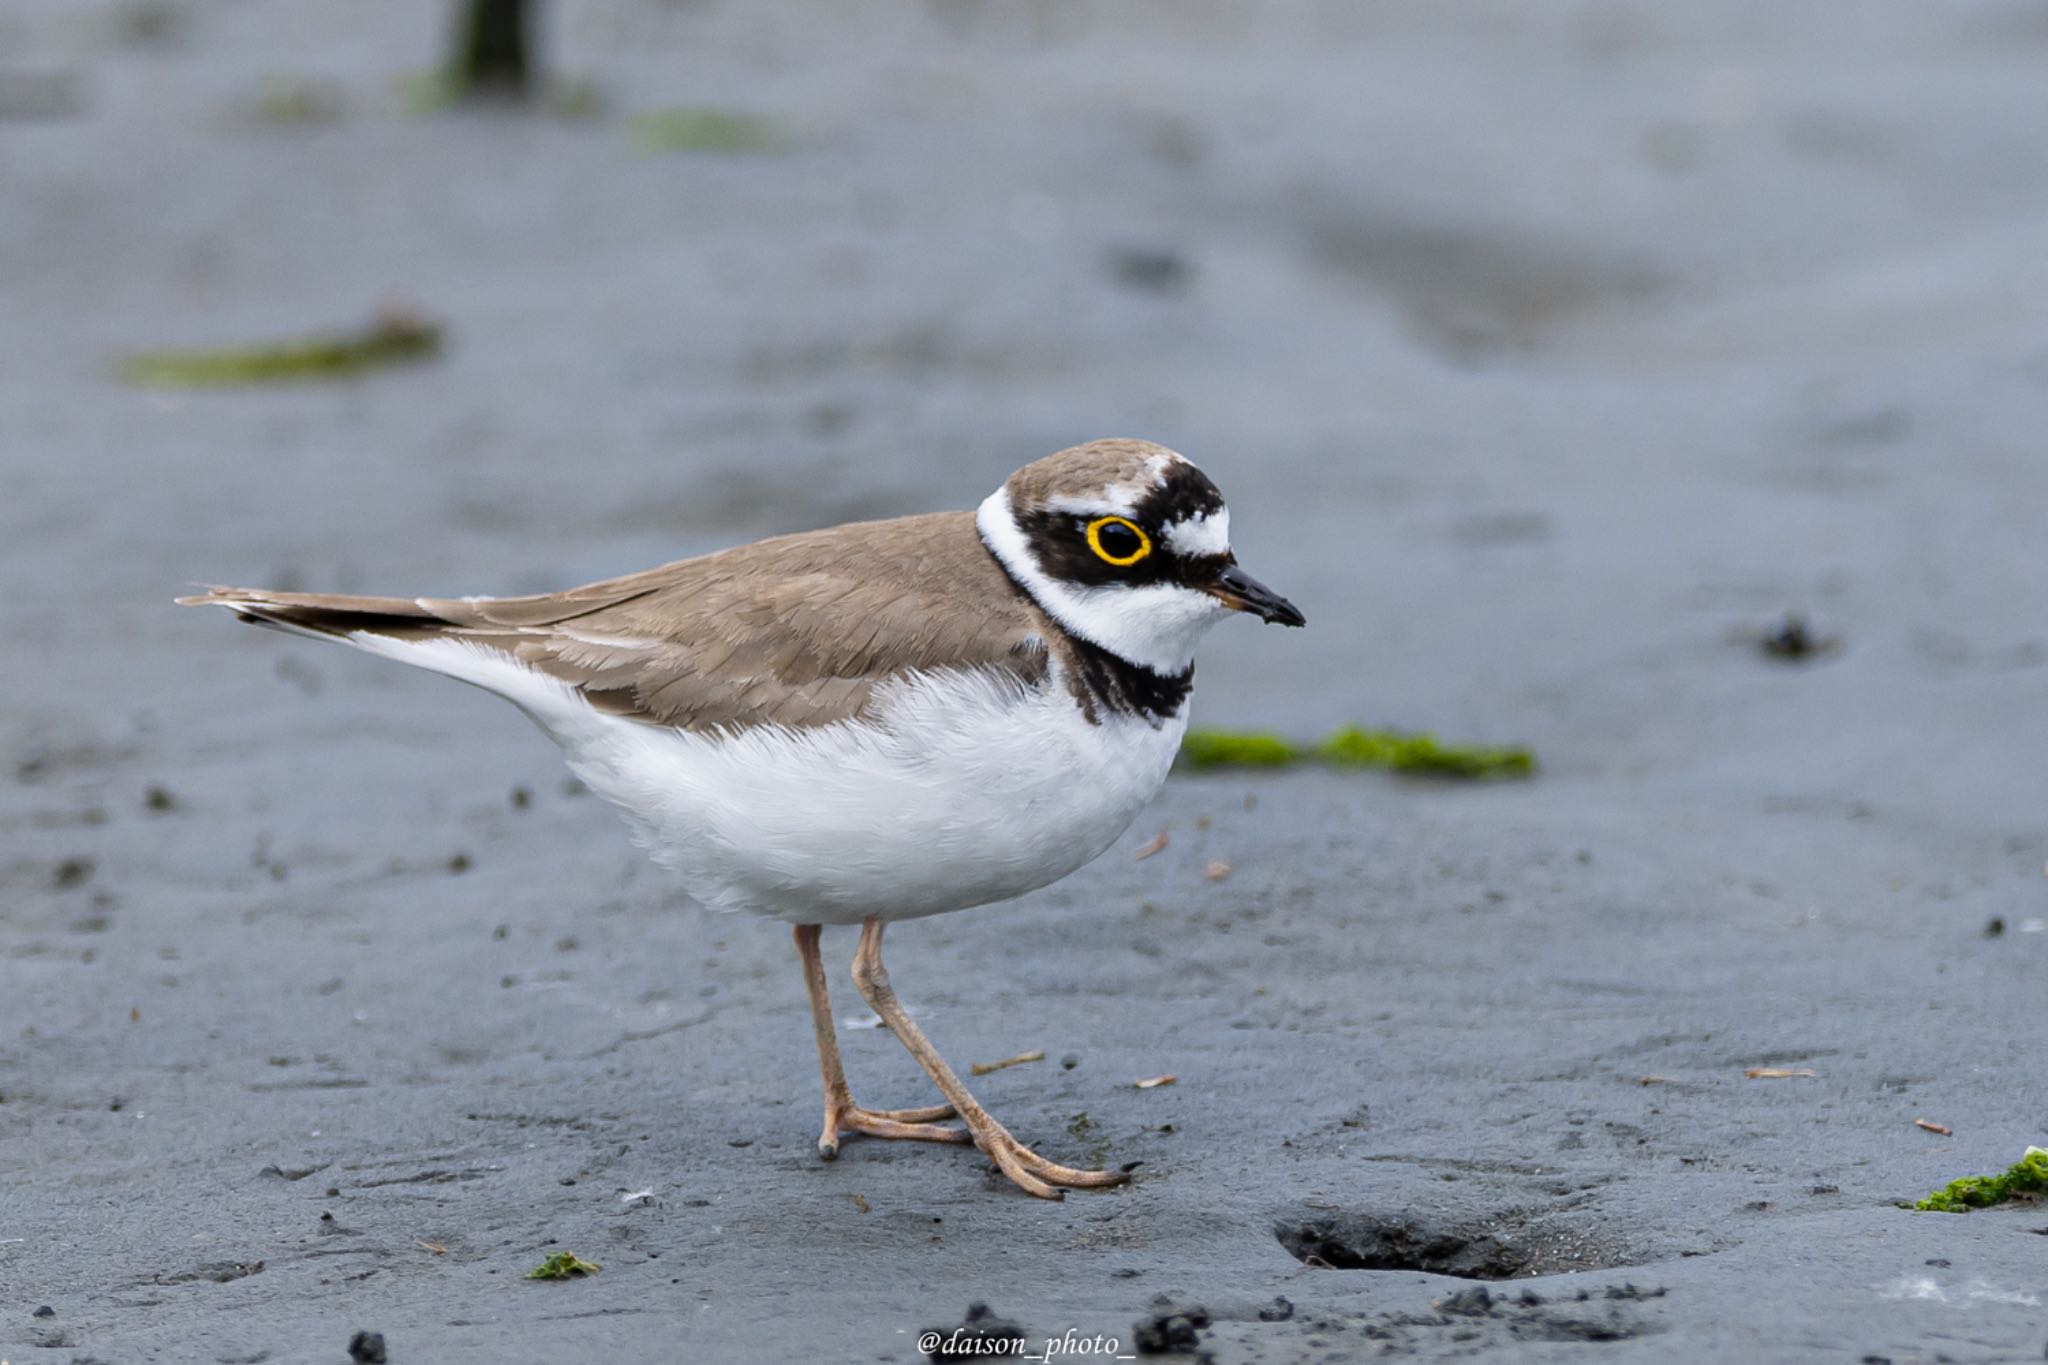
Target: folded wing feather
{"x":796,"y":631}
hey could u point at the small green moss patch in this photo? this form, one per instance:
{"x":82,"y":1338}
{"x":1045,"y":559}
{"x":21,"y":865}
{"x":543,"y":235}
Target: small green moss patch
{"x":428,"y":92}
{"x":392,"y":338}
{"x":1355,"y":747}
{"x":563,"y":1265}
{"x":1231,"y":749}
{"x":1423,"y":753}
{"x":693,"y":128}
{"x":2027,"y":1178}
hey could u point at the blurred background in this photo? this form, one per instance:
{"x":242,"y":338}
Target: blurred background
{"x":1525,"y":339}
{"x":1550,"y":357}
{"x":1533,"y":345}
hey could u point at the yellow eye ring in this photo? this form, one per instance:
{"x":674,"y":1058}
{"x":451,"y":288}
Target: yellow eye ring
{"x":1122,"y":561}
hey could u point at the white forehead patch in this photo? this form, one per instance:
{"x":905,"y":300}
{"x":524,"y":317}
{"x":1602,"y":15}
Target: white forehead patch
{"x":1202,"y":535}
{"x":1119,"y":500}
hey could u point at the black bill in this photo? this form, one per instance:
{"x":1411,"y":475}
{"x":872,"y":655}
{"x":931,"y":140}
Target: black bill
{"x":1241,"y":591}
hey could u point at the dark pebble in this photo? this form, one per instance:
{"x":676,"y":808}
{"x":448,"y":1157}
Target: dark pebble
{"x":1794,"y":638}
{"x":1178,"y":1329}
{"x":1158,"y":269}
{"x":1475,"y":1302}
{"x":367,"y":1348}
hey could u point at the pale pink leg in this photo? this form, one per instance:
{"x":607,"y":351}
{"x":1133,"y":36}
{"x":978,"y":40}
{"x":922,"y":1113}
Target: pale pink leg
{"x":842,"y":1115}
{"x":1024,"y":1166}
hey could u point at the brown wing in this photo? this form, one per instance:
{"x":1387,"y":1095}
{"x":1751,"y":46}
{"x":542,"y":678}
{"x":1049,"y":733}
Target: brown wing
{"x":798,"y":631}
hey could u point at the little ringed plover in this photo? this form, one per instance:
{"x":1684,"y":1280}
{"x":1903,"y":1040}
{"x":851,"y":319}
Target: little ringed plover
{"x":869,"y":723}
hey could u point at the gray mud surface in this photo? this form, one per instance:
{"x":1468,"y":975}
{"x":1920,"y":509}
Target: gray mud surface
{"x":1548,"y":354}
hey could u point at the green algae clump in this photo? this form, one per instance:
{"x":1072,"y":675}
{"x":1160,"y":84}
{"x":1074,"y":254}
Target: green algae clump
{"x":563,"y":1265}
{"x":1423,"y":753}
{"x":2026,"y":1177}
{"x":1353,"y":747}
{"x":392,"y":338}
{"x":1232,"y":749}
{"x":696,"y":128}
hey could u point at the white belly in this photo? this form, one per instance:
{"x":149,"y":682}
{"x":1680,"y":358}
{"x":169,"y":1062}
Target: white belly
{"x":961,"y":790}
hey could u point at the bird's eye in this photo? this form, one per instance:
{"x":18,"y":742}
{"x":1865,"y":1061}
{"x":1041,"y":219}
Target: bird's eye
{"x":1118,"y":541}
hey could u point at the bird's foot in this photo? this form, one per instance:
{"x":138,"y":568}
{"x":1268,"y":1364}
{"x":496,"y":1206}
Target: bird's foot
{"x":921,"y":1125}
{"x":1035,"y":1174}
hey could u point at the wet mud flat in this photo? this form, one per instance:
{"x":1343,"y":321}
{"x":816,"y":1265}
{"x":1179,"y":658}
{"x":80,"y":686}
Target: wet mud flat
{"x":330,"y":1009}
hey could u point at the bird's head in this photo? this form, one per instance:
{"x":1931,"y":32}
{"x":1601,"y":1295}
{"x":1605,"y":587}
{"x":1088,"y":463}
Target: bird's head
{"x":1127,"y":545}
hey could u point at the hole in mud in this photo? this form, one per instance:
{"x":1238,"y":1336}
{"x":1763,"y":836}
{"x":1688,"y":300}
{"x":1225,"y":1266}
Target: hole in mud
{"x":1502,"y":1246}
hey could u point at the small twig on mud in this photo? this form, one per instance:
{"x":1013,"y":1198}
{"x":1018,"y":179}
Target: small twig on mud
{"x":1931,"y":1126}
{"x":1778,"y":1073}
{"x":983,"y":1068}
{"x":1153,"y":845}
{"x":1154,"y":1082}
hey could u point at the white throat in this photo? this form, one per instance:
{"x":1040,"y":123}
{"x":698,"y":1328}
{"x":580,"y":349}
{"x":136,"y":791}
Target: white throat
{"x":1156,"y":626}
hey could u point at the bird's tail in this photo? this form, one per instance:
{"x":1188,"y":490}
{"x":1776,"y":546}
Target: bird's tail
{"x":450,"y":636}
{"x":330,"y":616}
